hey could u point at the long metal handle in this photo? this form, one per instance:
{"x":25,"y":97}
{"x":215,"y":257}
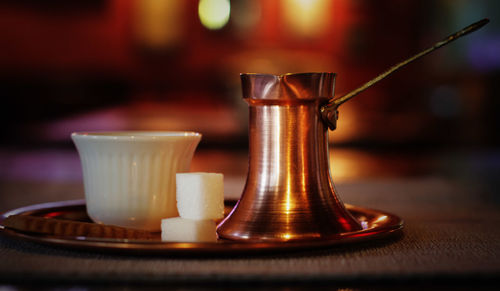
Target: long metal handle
{"x":329,"y":111}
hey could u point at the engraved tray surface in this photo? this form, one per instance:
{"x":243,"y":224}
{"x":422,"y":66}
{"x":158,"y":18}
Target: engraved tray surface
{"x":377,"y":224}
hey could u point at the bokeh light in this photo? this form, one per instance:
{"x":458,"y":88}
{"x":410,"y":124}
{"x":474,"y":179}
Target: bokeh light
{"x":214,"y":14}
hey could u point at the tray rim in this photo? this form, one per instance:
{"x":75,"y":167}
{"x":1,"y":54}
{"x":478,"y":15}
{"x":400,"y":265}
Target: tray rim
{"x":393,"y":226}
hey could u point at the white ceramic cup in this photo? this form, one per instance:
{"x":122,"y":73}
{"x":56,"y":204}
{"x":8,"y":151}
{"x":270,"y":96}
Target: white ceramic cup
{"x":129,"y":176}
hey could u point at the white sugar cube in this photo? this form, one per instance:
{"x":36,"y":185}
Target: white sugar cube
{"x":178,"y":229}
{"x":200,"y":195}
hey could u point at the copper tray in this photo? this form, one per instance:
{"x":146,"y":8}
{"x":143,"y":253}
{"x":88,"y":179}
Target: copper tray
{"x":376,"y":224}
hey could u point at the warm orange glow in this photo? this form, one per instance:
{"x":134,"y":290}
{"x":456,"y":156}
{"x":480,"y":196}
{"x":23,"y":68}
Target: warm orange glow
{"x":345,"y":164}
{"x":158,"y":24}
{"x":306,"y":17}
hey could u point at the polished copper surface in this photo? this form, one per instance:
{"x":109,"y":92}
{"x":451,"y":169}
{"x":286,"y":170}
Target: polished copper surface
{"x":376,"y":225}
{"x":289,"y":194}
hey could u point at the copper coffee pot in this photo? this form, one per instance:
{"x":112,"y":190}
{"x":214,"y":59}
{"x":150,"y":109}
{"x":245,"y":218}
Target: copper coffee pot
{"x":289,"y":194}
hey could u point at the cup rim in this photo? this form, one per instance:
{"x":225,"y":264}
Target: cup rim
{"x":133,"y":135}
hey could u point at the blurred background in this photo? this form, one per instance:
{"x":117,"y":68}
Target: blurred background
{"x":70,"y":66}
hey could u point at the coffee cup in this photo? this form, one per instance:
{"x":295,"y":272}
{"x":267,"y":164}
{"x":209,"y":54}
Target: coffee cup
{"x":129,"y":176}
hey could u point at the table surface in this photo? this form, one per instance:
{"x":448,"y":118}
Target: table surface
{"x":451,"y":236}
